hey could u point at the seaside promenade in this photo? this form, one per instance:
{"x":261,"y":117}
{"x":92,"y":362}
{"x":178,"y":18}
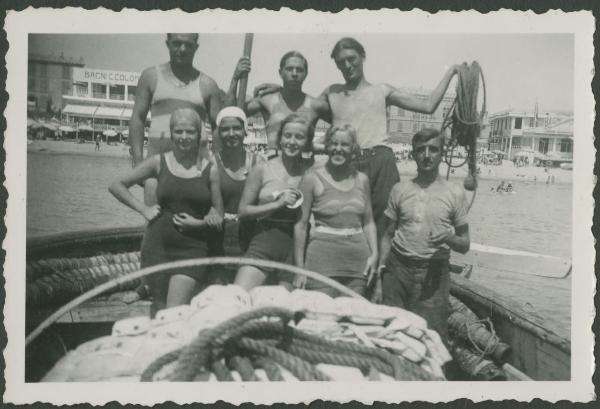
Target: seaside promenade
{"x":507,"y":171}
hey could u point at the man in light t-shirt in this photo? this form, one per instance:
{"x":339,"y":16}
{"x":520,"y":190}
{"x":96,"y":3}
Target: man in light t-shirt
{"x":426,"y":217}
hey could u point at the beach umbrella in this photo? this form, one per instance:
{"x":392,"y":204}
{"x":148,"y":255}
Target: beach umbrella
{"x":125,"y":132}
{"x":85,"y":128}
{"x":110,"y":133}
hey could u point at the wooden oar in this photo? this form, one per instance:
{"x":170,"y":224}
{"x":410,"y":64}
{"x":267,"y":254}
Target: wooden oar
{"x":515,"y":261}
{"x":241,"y":98}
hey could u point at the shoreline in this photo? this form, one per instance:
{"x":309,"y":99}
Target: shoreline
{"x":407,"y":168}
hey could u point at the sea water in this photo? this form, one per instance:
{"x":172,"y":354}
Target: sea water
{"x":67,"y":192}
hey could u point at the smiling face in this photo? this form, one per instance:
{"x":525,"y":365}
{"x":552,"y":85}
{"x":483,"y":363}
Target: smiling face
{"x":185,"y":135}
{"x":231,"y":131}
{"x":182,"y":48}
{"x":428,"y":154}
{"x":293,"y":138}
{"x":339,"y":148}
{"x":293,"y":73}
{"x":350,"y":64}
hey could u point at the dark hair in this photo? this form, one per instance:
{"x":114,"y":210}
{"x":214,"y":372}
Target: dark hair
{"x":193,"y":34}
{"x":348,"y":43}
{"x":291,"y":54}
{"x":426,"y":134}
{"x":298,"y":119}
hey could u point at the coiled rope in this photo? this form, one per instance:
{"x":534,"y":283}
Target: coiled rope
{"x":174,"y":265}
{"x":262,"y":338}
{"x":465,"y":122}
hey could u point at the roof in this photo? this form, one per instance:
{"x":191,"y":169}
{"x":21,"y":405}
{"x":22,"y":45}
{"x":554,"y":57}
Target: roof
{"x":563,"y":128}
{"x":51,"y":58}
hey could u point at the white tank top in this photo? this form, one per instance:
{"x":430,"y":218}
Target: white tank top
{"x":365,"y":110}
{"x":170,"y":96}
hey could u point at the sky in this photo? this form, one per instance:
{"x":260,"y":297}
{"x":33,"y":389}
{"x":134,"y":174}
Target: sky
{"x":519,"y":69}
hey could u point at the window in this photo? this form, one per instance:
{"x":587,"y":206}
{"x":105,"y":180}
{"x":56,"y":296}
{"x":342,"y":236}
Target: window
{"x":117,"y":92}
{"x":98,"y":90}
{"x":399,"y":126}
{"x":400,"y":112}
{"x":518,"y":123}
{"x":81,"y":89}
{"x":566,"y":145}
{"x":531,"y":122}
{"x":415,"y":127}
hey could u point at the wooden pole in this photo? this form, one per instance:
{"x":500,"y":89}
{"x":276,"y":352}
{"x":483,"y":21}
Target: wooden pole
{"x":241,"y":97}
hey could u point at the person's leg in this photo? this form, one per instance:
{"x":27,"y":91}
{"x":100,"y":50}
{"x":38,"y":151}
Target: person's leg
{"x":249,"y":277}
{"x":396,"y":282}
{"x":159,"y":285}
{"x":433,"y":301}
{"x":383,"y":175}
{"x":181,"y":290}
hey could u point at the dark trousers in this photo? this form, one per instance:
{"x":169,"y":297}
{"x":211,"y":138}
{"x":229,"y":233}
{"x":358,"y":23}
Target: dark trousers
{"x":420,"y":286}
{"x":379,"y":164}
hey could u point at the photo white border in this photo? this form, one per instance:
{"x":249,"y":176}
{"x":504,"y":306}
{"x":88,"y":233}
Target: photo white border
{"x":77,"y":20}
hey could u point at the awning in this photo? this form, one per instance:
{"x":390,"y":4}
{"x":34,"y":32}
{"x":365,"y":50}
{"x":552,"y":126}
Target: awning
{"x":126,"y":113}
{"x":110,"y":133}
{"x":32,"y":123}
{"x":87,"y":110}
{"x":66,"y":128}
{"x":109,"y":112}
{"x":85,"y":128}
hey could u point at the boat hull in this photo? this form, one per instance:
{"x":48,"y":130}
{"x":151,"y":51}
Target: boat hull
{"x":537,"y":350}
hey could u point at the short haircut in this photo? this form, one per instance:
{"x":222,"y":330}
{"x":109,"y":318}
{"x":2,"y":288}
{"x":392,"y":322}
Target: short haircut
{"x":342,"y":128}
{"x":186,"y":113}
{"x":298,"y":119}
{"x":291,"y":54}
{"x":426,"y":134}
{"x":192,"y":34}
{"x":348,"y":43}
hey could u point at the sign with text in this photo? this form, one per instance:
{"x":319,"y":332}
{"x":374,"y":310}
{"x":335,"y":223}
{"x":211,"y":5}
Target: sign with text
{"x":105,"y":76}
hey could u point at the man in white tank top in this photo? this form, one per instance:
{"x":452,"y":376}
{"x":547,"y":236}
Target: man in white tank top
{"x":364,"y":106}
{"x":282,"y":101}
{"x":164,"y":88}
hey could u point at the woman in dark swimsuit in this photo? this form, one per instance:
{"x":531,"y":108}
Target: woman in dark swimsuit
{"x":179,"y":226}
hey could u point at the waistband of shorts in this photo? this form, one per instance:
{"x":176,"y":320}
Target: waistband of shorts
{"x":351,"y":231}
{"x":415,"y":261}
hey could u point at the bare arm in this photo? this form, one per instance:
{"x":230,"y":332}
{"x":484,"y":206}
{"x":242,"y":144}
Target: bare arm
{"x":212,"y":99}
{"x":143,"y":99}
{"x":412,"y":103}
{"x":251,"y":106}
{"x":385,"y":245}
{"x":248,"y":207}
{"x":300,"y":228}
{"x":460,"y":241}
{"x":120,"y":188}
{"x":368,"y":222}
{"x":215,"y":191}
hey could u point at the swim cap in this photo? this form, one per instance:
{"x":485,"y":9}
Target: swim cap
{"x":234,"y":112}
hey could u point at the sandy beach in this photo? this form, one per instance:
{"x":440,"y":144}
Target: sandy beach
{"x":507,"y":171}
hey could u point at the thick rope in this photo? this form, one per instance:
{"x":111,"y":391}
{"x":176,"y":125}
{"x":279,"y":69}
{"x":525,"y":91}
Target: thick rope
{"x":115,"y":282}
{"x":244,"y":367}
{"x":301,"y":369}
{"x":269,"y":366}
{"x":492,"y":342}
{"x":221,"y":372}
{"x":157,"y":364}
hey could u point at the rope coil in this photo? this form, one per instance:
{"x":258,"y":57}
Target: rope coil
{"x":248,"y":341}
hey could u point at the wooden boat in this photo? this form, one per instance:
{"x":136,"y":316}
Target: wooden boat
{"x":538,"y":352}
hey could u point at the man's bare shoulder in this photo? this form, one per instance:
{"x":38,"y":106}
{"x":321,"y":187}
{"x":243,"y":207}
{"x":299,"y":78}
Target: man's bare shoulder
{"x":207,"y":81}
{"x":149,"y":76}
{"x":335,"y":88}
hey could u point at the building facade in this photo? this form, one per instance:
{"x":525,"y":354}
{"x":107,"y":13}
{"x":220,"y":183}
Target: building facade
{"x":552,"y":143}
{"x":49,"y":77}
{"x":403,"y":124}
{"x":507,"y":129}
{"x":101,"y":99}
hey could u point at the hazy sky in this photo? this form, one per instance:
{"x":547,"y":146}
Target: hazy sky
{"x":518,"y":68}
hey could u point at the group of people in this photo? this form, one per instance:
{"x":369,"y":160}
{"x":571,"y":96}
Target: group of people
{"x":347,"y":218}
